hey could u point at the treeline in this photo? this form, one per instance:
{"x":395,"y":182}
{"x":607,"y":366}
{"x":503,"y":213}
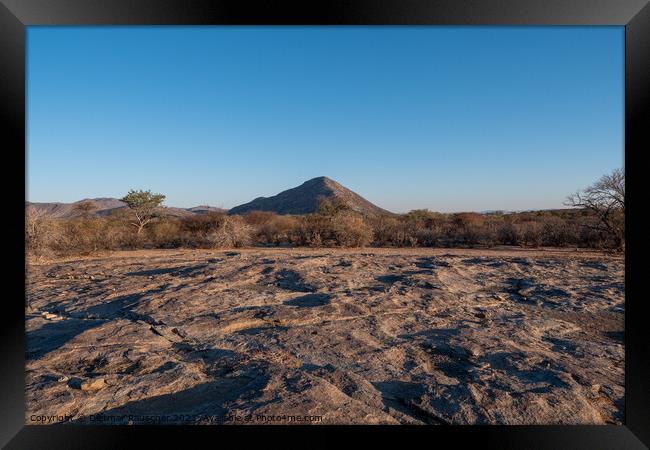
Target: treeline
{"x":596,"y":220}
{"x":332,"y":226}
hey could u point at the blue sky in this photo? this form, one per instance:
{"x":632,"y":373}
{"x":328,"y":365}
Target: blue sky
{"x":444,"y":118}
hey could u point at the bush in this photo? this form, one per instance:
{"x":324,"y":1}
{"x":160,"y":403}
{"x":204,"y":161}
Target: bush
{"x":82,"y":235}
{"x":195,"y":231}
{"x":204,"y":223}
{"x":313,"y":231}
{"x":119,"y":235}
{"x":555,"y":232}
{"x":507,"y":234}
{"x":333,"y":226}
{"x":232,"y":232}
{"x":257,"y":218}
{"x":529,"y":233}
{"x":350,"y":230}
{"x":388,"y":231}
{"x":166,"y":234}
{"x":342,"y":229}
{"x":41,"y":234}
{"x":426,"y":238}
{"x":277,"y":230}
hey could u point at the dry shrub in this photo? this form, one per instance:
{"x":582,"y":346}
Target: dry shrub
{"x":426,"y":238}
{"x":82,"y":235}
{"x":196,"y":231}
{"x":48,"y":236}
{"x":204,"y":223}
{"x":343,"y":229}
{"x":507,"y":234}
{"x":555,"y":232}
{"x":351,"y":230}
{"x":386,"y":231}
{"x":258,"y":218}
{"x":41,"y":234}
{"x":409,"y":230}
{"x":332,"y":227}
{"x":120,"y":235}
{"x":470,"y":229}
{"x":529,"y":233}
{"x":278,"y":230}
{"x":233,"y":232}
{"x":166,"y":234}
{"x":312,"y":231}
{"x":468,"y":219}
{"x":420,"y":219}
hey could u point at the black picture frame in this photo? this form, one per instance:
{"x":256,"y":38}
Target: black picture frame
{"x":16,"y":15}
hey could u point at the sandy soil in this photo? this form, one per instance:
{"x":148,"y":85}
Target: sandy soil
{"x":426,"y":336}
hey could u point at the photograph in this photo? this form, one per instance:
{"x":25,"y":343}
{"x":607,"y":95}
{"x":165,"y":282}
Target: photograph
{"x":325,"y":225}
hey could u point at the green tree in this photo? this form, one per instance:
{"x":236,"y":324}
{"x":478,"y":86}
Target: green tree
{"x":145,"y":206}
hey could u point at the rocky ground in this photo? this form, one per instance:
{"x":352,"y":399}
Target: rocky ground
{"x":375,"y":336}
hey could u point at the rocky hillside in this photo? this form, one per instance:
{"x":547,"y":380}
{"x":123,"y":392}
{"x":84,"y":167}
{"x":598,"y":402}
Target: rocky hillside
{"x":305,"y":199}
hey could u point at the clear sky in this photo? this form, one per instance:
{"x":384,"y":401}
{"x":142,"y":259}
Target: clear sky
{"x":444,"y":118}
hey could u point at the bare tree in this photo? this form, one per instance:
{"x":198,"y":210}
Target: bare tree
{"x":145,"y":206}
{"x":40,"y":231}
{"x":605,"y":198}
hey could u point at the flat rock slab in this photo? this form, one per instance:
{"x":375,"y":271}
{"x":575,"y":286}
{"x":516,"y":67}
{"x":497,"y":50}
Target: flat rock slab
{"x":376,"y":336}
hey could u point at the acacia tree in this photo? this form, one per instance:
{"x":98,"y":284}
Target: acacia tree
{"x":605,"y":198}
{"x":145,"y":206}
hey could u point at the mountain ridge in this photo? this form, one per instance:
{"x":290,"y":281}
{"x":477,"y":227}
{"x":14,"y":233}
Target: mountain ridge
{"x":302,"y":199}
{"x":105,"y":206}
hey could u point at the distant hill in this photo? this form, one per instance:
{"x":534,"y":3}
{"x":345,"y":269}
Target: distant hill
{"x":105,"y":207}
{"x":204,"y":209}
{"x":525,"y":211}
{"x":305,"y":199}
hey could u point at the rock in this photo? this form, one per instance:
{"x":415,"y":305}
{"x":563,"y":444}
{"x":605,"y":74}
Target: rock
{"x":50,"y":316}
{"x":95,"y":385}
{"x":236,"y":347}
{"x":178,"y":332}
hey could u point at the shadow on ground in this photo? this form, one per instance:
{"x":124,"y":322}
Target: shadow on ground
{"x":309,"y":300}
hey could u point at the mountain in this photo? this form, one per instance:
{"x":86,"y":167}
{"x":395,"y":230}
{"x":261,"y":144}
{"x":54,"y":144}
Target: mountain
{"x":205,"y":209}
{"x":305,"y":199}
{"x":105,"y":207}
